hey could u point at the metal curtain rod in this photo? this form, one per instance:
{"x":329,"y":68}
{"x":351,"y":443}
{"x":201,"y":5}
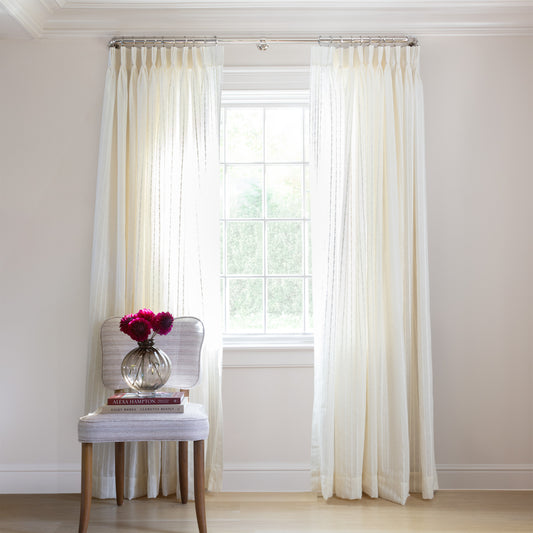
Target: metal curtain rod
{"x":263,"y":43}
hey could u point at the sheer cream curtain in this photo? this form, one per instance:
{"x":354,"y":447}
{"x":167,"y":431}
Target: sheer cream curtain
{"x":373,"y":408}
{"x":156,"y":232}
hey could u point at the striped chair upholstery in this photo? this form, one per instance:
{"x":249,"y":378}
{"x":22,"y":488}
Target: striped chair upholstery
{"x":183,"y":345}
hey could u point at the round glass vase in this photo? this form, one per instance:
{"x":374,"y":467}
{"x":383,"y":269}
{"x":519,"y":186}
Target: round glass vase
{"x":146,"y":368}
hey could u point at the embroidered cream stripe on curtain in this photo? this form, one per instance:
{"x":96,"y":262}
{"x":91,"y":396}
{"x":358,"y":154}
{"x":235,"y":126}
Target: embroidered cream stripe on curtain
{"x":373,"y":407}
{"x":156,"y":232}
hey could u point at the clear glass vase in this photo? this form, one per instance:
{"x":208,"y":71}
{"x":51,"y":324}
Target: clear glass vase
{"x":146,"y":368}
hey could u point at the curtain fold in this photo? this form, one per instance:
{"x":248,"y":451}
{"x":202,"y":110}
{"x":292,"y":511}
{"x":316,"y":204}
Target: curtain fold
{"x":156,"y":233}
{"x":373,"y":407}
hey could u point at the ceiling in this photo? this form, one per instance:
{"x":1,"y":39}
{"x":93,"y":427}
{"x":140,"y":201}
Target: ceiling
{"x":261,"y":18}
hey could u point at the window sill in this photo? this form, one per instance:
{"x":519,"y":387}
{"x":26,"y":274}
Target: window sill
{"x":267,"y":351}
{"x":268,"y":342}
{"x":255,"y":359}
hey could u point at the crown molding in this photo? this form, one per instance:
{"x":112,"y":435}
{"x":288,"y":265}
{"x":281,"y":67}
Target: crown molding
{"x":297,"y":18}
{"x":290,"y":21}
{"x":31,"y":14}
{"x":346,"y":4}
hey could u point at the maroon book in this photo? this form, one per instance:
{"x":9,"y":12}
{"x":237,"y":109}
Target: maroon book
{"x":132,"y":398}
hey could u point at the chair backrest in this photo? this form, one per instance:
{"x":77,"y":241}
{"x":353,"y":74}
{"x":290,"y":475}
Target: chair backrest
{"x":183,"y":345}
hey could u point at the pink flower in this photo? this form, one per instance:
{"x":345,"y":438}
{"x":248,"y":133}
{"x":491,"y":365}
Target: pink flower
{"x":139,"y":325}
{"x":124,"y":323}
{"x":139,"y":329}
{"x":163,"y":323}
{"x":147,"y":314}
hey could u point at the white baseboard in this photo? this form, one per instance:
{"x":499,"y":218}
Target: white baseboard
{"x":266,"y":478}
{"x":57,"y":479}
{"x":40,"y":479}
{"x":485,"y":477}
{"x":250,"y":478}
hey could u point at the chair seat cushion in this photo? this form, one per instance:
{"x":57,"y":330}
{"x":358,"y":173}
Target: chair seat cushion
{"x":191,"y":425}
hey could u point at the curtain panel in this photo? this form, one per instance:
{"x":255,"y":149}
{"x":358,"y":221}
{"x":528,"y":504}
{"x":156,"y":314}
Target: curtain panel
{"x":373,"y":408}
{"x":156,"y":233}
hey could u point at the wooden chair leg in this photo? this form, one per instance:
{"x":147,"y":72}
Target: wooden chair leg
{"x":184,"y":470}
{"x":119,"y":472}
{"x":86,"y":484}
{"x":199,"y":485}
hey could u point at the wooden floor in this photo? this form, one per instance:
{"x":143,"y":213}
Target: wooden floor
{"x":484,"y":512}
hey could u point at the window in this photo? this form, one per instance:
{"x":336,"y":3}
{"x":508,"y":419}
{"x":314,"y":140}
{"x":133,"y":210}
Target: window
{"x":266,"y":274}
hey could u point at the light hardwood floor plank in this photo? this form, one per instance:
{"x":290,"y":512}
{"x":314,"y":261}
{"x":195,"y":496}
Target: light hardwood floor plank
{"x":450,"y":511}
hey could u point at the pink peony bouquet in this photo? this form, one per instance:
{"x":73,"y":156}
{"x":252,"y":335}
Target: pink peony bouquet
{"x":140,"y":325}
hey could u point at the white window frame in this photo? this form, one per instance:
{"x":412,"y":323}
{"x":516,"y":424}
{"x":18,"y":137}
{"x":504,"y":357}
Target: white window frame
{"x":276,"y":98}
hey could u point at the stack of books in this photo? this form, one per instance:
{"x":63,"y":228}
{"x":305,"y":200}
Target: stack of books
{"x":131,"y":402}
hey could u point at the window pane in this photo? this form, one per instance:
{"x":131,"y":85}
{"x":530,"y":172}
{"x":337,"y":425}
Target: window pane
{"x":306,"y":135}
{"x":223,"y":300}
{"x":222,"y":209}
{"x":308,"y":258}
{"x":285,"y":305}
{"x":222,"y":269}
{"x":244,"y":248}
{"x":222,"y":153}
{"x":307,"y":208}
{"x":284,"y":247}
{"x":245,"y":191}
{"x":284,"y":134}
{"x":244,"y":135}
{"x":284,"y":191}
{"x":245,"y":305}
{"x":309,"y":304}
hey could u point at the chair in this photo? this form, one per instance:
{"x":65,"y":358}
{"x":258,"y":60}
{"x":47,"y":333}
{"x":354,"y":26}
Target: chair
{"x":183,"y":346}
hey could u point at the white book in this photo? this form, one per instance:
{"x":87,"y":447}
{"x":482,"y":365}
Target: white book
{"x":163,"y":408}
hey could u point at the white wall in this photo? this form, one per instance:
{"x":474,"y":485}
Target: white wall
{"x":478,"y":115}
{"x":51,"y":94}
{"x":479,"y":112}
